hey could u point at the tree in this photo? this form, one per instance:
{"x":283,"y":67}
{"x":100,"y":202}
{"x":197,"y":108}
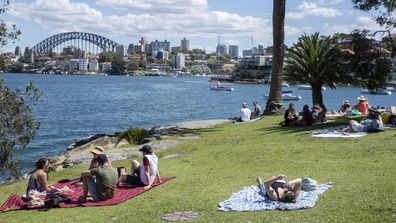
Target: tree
{"x":315,"y":60}
{"x":117,"y":65}
{"x":370,"y":68}
{"x":386,"y":10}
{"x":274,"y":102}
{"x":17,"y":126}
{"x":106,"y":57}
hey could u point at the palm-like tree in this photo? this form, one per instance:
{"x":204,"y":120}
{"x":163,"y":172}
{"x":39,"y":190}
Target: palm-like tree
{"x":317,"y":61}
{"x":274,"y":102}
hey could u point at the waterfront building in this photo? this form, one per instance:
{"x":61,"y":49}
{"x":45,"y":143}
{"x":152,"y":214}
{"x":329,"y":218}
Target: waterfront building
{"x":185,"y":44}
{"x":18,"y":51}
{"x":83,"y":64}
{"x":221,"y":49}
{"x":160,"y":67}
{"x":74,"y":64}
{"x":179,"y":61}
{"x":106,"y":66}
{"x":93,"y":65}
{"x":260,"y":49}
{"x":121,"y":51}
{"x":156,"y":46}
{"x":233,"y":51}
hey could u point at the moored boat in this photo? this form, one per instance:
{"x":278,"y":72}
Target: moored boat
{"x":221,"y":88}
{"x":307,"y":87}
{"x":379,"y":91}
{"x":287,"y":97}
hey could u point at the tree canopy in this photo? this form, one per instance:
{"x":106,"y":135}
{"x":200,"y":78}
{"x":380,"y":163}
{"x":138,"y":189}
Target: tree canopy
{"x":385,"y":9}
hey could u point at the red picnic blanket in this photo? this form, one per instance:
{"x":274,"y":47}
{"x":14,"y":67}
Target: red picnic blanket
{"x":15,"y":202}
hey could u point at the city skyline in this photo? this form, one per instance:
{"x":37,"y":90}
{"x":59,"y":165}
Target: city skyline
{"x":203,"y":23}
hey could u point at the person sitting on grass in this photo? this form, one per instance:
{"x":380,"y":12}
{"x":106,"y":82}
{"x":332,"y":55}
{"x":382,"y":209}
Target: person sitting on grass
{"x":290,"y":116}
{"x":307,"y":118}
{"x":143,"y":175}
{"x":277,"y":189}
{"x":94,"y":161}
{"x":100,"y":182}
{"x":245,"y":113}
{"x":258,"y":111}
{"x":344,"y":107}
{"x":372,"y":123}
{"x":318,"y":114}
{"x":39,"y":179}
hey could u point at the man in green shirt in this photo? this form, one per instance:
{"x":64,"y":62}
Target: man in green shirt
{"x":99,"y":182}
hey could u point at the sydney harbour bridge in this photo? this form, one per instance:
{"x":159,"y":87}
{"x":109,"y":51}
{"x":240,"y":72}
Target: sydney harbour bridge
{"x":85,"y":41}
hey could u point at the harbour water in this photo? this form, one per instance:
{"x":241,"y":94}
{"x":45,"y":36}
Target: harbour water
{"x":74,"y":107}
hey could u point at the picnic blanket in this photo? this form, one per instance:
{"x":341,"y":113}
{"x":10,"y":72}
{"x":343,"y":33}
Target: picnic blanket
{"x":15,"y":202}
{"x":335,"y":132}
{"x":252,"y":199}
{"x":325,"y":122}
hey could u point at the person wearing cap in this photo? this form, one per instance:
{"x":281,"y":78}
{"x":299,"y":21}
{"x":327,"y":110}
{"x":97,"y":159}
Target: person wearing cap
{"x":143,"y":174}
{"x":344,"y":107}
{"x":362,"y":106}
{"x":372,"y":123}
{"x":306,"y":117}
{"x":94,"y":161}
{"x":245,"y":113}
{"x":100,"y":182}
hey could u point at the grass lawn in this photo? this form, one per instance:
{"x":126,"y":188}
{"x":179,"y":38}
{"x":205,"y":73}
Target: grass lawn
{"x":229,"y":157}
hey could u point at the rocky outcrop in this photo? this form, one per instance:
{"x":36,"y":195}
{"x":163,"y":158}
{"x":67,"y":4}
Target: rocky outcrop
{"x":79,"y":152}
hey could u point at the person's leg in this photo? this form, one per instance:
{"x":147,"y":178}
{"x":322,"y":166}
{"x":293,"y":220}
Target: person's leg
{"x":89,"y":185}
{"x":134,"y":166}
{"x":92,"y":189}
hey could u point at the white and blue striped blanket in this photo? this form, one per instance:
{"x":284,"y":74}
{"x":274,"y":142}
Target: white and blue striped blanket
{"x":252,"y":199}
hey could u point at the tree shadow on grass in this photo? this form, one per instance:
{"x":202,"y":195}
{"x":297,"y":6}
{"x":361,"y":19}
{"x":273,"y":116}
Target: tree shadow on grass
{"x":299,"y":130}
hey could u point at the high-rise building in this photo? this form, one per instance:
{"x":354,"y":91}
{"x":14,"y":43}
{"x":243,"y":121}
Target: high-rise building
{"x":185,"y":44}
{"x":121,"y":51}
{"x":18,"y":51}
{"x":131,"y":49}
{"x":179,"y":61}
{"x":156,"y":46}
{"x":141,"y":47}
{"x":221,"y":49}
{"x":233,"y":51}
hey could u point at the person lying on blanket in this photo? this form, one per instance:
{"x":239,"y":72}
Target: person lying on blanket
{"x":372,"y":123}
{"x":99,"y":182}
{"x":39,"y":179}
{"x":143,"y":175}
{"x":277,"y":189}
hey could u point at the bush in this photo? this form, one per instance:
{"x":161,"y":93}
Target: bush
{"x":134,"y":135}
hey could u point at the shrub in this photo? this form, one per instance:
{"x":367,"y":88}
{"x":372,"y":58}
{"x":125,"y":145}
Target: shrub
{"x":134,"y":135}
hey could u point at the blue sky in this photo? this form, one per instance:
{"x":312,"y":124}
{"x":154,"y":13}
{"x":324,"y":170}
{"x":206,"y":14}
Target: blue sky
{"x":200,"y":21}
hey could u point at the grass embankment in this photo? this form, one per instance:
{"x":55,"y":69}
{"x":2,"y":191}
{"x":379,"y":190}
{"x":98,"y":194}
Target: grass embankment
{"x":229,"y":157}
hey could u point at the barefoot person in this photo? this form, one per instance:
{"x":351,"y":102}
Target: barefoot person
{"x":99,"y":182}
{"x":277,"y":189}
{"x":143,"y":174}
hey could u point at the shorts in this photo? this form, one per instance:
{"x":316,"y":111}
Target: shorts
{"x":355,"y":126}
{"x":135,"y":179}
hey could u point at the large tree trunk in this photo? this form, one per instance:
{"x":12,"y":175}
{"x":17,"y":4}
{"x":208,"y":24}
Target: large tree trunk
{"x":317,"y":97}
{"x":274,"y":102}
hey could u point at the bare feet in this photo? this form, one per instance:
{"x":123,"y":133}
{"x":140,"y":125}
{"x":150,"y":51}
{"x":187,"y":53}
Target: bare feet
{"x":259,"y":181}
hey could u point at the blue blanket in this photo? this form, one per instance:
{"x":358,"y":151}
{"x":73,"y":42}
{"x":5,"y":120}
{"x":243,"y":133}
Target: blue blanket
{"x":252,"y":199}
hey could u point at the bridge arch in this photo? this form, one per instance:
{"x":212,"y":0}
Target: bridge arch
{"x":51,"y":42}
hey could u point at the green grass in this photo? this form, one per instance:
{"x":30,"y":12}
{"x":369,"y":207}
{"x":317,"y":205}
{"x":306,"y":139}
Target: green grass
{"x":229,"y":157}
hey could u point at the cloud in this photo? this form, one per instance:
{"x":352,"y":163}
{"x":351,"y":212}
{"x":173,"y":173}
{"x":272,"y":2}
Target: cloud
{"x":157,"y":6}
{"x":69,"y":16}
{"x":313,"y":9}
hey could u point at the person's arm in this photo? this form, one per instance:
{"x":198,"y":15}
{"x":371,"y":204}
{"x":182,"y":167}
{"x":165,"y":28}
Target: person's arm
{"x":42,"y":178}
{"x":87,"y":173}
{"x":146,"y":173}
{"x":296,"y":185}
{"x":158,"y":176}
{"x":269,"y":190}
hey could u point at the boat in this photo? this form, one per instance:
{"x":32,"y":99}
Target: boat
{"x":379,"y":91}
{"x":285,"y":84}
{"x":393,"y":89}
{"x":285,"y":91}
{"x":287,"y":97}
{"x":307,"y":87}
{"x":220,"y":88}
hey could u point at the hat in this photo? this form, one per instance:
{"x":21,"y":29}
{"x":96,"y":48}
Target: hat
{"x":102,"y":158}
{"x":361,"y":98}
{"x":244,"y":105}
{"x":146,"y":149}
{"x":373,"y":109}
{"x":97,"y":150}
{"x":346,"y":102}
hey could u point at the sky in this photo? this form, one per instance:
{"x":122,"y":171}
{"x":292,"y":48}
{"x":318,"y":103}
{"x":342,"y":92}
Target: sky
{"x":203,"y":22}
